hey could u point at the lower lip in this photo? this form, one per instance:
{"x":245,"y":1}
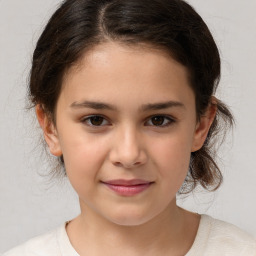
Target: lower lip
{"x":128,"y":190}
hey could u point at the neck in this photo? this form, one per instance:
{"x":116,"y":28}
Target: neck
{"x":164,"y":233}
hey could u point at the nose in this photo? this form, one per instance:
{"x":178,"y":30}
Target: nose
{"x":128,"y":150}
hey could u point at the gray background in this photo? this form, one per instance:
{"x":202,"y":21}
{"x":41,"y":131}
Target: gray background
{"x":30,"y":205}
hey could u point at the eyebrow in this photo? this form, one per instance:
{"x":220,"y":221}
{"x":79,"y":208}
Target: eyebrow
{"x":145,"y":107}
{"x":93,"y":105}
{"x":162,"y":105}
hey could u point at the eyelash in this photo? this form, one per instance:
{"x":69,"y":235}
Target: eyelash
{"x":87,"y":120}
{"x":166,"y":122}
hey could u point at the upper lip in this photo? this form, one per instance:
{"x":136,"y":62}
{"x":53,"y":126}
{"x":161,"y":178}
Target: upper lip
{"x":123,"y":182}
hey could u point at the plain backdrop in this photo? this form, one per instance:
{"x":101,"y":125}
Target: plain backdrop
{"x":29,"y":205}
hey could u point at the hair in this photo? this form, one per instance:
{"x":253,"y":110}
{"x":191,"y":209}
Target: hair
{"x":171,"y":25}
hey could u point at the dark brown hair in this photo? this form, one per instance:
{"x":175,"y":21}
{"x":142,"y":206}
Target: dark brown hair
{"x":173,"y":25}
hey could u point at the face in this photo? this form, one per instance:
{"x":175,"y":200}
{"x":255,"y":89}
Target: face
{"x":126,"y":126}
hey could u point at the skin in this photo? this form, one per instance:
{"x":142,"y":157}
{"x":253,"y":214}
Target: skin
{"x":127,"y":144}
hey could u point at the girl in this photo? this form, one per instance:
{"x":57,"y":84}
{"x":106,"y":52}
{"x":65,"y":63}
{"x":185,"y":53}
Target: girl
{"x":124,"y":93}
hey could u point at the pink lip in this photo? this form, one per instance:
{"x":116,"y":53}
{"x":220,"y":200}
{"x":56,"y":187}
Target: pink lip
{"x":128,"y":187}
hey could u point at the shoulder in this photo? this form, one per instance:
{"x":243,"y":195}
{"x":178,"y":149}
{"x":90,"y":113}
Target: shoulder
{"x":229,"y":233}
{"x":46,"y":244}
{"x":216,"y":237}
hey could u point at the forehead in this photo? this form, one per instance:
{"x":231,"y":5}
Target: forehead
{"x":135,"y":70}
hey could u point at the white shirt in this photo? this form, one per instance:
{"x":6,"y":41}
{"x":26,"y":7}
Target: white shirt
{"x":214,"y":238}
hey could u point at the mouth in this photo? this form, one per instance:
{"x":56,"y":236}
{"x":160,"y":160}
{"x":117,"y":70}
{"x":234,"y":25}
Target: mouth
{"x":128,"y":187}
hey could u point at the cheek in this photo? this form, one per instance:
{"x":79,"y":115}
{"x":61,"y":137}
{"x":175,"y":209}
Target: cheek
{"x":83,"y":157}
{"x":173,"y":156}
{"x":83,"y":162}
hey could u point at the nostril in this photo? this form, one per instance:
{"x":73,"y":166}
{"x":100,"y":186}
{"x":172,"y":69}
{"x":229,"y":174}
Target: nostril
{"x":128,"y":166}
{"x":127,"y":156}
{"x":117,"y":164}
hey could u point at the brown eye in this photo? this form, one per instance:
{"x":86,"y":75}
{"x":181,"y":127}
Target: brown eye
{"x":157,"y":120}
{"x":95,"y":121}
{"x":160,"y":120}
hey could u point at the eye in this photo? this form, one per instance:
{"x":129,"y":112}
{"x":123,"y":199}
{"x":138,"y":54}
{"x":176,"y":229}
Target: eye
{"x":95,"y":120}
{"x":160,"y":120}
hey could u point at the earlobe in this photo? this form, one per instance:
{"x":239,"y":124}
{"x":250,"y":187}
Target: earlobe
{"x":49,"y":130}
{"x":203,"y":125}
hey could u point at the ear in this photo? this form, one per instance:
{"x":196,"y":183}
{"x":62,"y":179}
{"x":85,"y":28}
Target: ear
{"x":204,"y":124}
{"x":49,"y":130}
